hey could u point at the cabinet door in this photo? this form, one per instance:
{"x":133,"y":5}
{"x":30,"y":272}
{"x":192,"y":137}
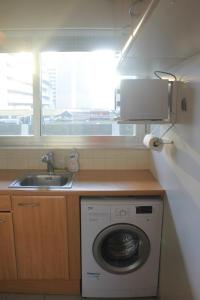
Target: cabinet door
{"x":40,"y":225}
{"x":73,"y":205}
{"x":5,"y":203}
{"x":7,"y":250}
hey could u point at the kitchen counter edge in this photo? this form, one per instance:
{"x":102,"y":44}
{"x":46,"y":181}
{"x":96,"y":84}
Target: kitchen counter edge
{"x":92,"y":182}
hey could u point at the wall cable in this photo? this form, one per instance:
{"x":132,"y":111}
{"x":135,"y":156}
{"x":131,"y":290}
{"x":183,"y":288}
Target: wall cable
{"x":156,"y":73}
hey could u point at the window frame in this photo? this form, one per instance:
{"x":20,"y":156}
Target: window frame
{"x":37,"y":140}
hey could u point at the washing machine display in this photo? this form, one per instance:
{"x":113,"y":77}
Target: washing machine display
{"x":121,"y":248}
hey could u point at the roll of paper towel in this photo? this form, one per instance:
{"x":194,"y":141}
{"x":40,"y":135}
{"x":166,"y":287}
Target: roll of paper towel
{"x":153,"y":142}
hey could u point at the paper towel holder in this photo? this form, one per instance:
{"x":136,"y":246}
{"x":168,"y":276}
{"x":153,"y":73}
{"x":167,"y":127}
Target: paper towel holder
{"x":159,"y":141}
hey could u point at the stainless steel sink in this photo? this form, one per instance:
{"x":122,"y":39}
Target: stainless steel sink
{"x":50,"y":181}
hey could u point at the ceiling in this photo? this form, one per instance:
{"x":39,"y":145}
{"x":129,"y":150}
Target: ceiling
{"x":169,"y":36}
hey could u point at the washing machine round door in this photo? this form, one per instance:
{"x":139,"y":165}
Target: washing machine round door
{"x":121,"y":248}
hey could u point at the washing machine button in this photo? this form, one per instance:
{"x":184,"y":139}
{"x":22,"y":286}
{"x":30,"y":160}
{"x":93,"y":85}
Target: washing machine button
{"x":121,"y":212}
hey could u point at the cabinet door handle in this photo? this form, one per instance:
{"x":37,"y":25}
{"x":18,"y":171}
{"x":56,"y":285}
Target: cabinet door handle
{"x":2,"y":221}
{"x":28,"y":204}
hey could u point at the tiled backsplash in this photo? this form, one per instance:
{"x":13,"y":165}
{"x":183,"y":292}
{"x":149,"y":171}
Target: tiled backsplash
{"x":88,"y":158}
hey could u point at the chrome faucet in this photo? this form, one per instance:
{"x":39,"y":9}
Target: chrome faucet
{"x":49,"y":160}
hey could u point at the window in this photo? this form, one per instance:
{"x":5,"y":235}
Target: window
{"x":78,"y":94}
{"x":16,"y":94}
{"x":56,"y":98}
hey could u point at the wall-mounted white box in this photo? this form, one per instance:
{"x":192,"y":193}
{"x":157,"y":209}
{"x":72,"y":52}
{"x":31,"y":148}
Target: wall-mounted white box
{"x":144,"y":99}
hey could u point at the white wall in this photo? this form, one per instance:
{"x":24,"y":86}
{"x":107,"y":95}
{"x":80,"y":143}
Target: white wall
{"x":45,"y":13}
{"x":63,"y":13}
{"x":96,"y":159}
{"x":177,"y":168}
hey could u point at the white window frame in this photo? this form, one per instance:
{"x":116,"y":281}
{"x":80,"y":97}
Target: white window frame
{"x":37,"y":140}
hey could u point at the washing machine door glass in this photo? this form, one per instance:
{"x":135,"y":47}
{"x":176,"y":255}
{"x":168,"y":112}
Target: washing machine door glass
{"x":121,"y":248}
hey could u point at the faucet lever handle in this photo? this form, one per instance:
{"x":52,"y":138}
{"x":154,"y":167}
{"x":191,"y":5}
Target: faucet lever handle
{"x":47,"y":157}
{"x":49,"y":160}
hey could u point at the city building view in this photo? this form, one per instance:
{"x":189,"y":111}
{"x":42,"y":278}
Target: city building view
{"x":77,"y":94}
{"x":16,"y":94}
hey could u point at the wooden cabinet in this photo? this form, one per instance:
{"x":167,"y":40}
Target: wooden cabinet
{"x":74,"y":236}
{"x":5,"y":203}
{"x":7,"y":249}
{"x":41,"y":237}
{"x":40,"y":243}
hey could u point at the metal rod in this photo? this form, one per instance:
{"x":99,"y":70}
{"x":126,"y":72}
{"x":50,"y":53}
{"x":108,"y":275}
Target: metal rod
{"x":133,"y":36}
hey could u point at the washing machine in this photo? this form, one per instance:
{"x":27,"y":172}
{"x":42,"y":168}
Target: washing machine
{"x":120,"y":246}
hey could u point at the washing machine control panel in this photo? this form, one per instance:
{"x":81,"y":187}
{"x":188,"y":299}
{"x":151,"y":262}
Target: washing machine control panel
{"x":121,"y":212}
{"x":144,"y":209}
{"x":126,"y":213}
